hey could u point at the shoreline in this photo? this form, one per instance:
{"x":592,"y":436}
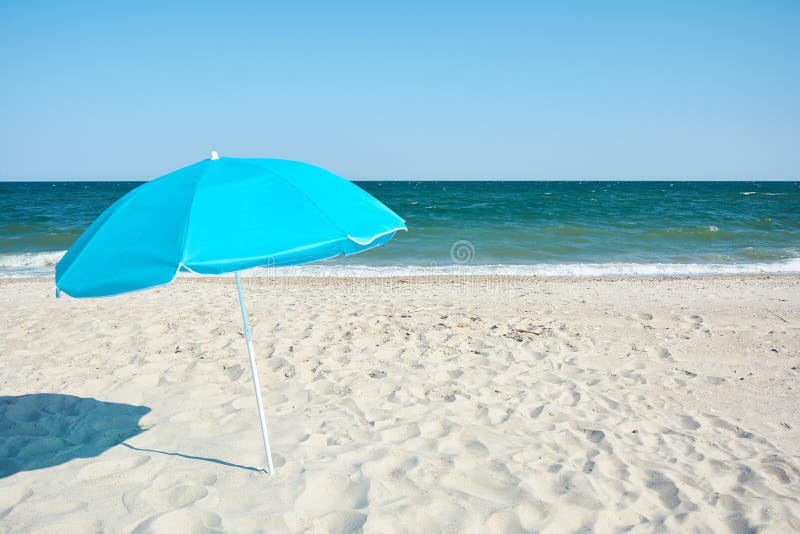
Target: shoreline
{"x":35,"y":265}
{"x":444,"y":278}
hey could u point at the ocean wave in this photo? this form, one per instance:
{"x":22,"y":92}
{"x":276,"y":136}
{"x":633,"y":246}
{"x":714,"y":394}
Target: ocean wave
{"x":43,"y":265}
{"x":30,"y":264}
{"x":748,"y":193}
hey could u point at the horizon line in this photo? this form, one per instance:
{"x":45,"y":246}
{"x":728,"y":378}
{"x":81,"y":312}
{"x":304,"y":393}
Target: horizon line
{"x":655,"y":180}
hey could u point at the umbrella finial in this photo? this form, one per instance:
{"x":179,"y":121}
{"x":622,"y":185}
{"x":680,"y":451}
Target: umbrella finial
{"x":214,"y":155}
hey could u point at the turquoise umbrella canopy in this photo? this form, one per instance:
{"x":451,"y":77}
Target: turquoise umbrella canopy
{"x":222,"y":215}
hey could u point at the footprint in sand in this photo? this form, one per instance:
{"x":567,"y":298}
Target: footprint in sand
{"x":477,"y":448}
{"x":689,"y":423}
{"x":400,"y":433}
{"x":325,"y":493}
{"x":185,"y":495}
{"x":106,"y":468}
{"x":595,"y":436}
{"x":179,"y":489}
{"x":341,"y":521}
{"x":536,"y":412}
{"x":665,"y":488}
{"x":183,"y":520}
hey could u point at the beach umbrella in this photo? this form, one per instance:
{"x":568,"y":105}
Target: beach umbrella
{"x":222,"y":215}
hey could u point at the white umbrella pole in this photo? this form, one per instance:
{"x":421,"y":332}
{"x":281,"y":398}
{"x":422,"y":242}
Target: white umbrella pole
{"x":254,"y":369}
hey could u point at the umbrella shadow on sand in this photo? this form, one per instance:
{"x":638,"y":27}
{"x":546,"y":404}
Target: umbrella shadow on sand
{"x":43,"y":430}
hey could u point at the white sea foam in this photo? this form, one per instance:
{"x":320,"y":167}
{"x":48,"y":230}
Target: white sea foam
{"x":747,"y":193}
{"x":43,"y":264}
{"x":31,"y":264}
{"x":582,"y":270}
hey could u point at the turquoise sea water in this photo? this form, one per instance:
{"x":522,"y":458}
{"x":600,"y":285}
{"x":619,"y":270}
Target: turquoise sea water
{"x":546,"y":228}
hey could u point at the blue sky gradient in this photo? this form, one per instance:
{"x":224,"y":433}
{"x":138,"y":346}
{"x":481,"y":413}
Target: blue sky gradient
{"x":403,"y":90}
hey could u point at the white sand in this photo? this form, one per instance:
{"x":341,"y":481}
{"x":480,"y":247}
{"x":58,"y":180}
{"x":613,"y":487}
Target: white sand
{"x":479,"y":405}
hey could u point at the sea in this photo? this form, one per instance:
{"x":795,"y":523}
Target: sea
{"x":542,"y":228}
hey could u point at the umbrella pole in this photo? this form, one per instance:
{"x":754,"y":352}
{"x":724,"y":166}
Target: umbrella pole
{"x":254,"y":370}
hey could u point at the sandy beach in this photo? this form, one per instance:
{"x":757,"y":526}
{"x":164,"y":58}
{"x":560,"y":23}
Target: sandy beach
{"x":404,"y":405}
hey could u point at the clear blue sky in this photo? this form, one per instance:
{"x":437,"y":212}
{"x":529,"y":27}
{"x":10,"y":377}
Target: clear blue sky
{"x":407,"y":90}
